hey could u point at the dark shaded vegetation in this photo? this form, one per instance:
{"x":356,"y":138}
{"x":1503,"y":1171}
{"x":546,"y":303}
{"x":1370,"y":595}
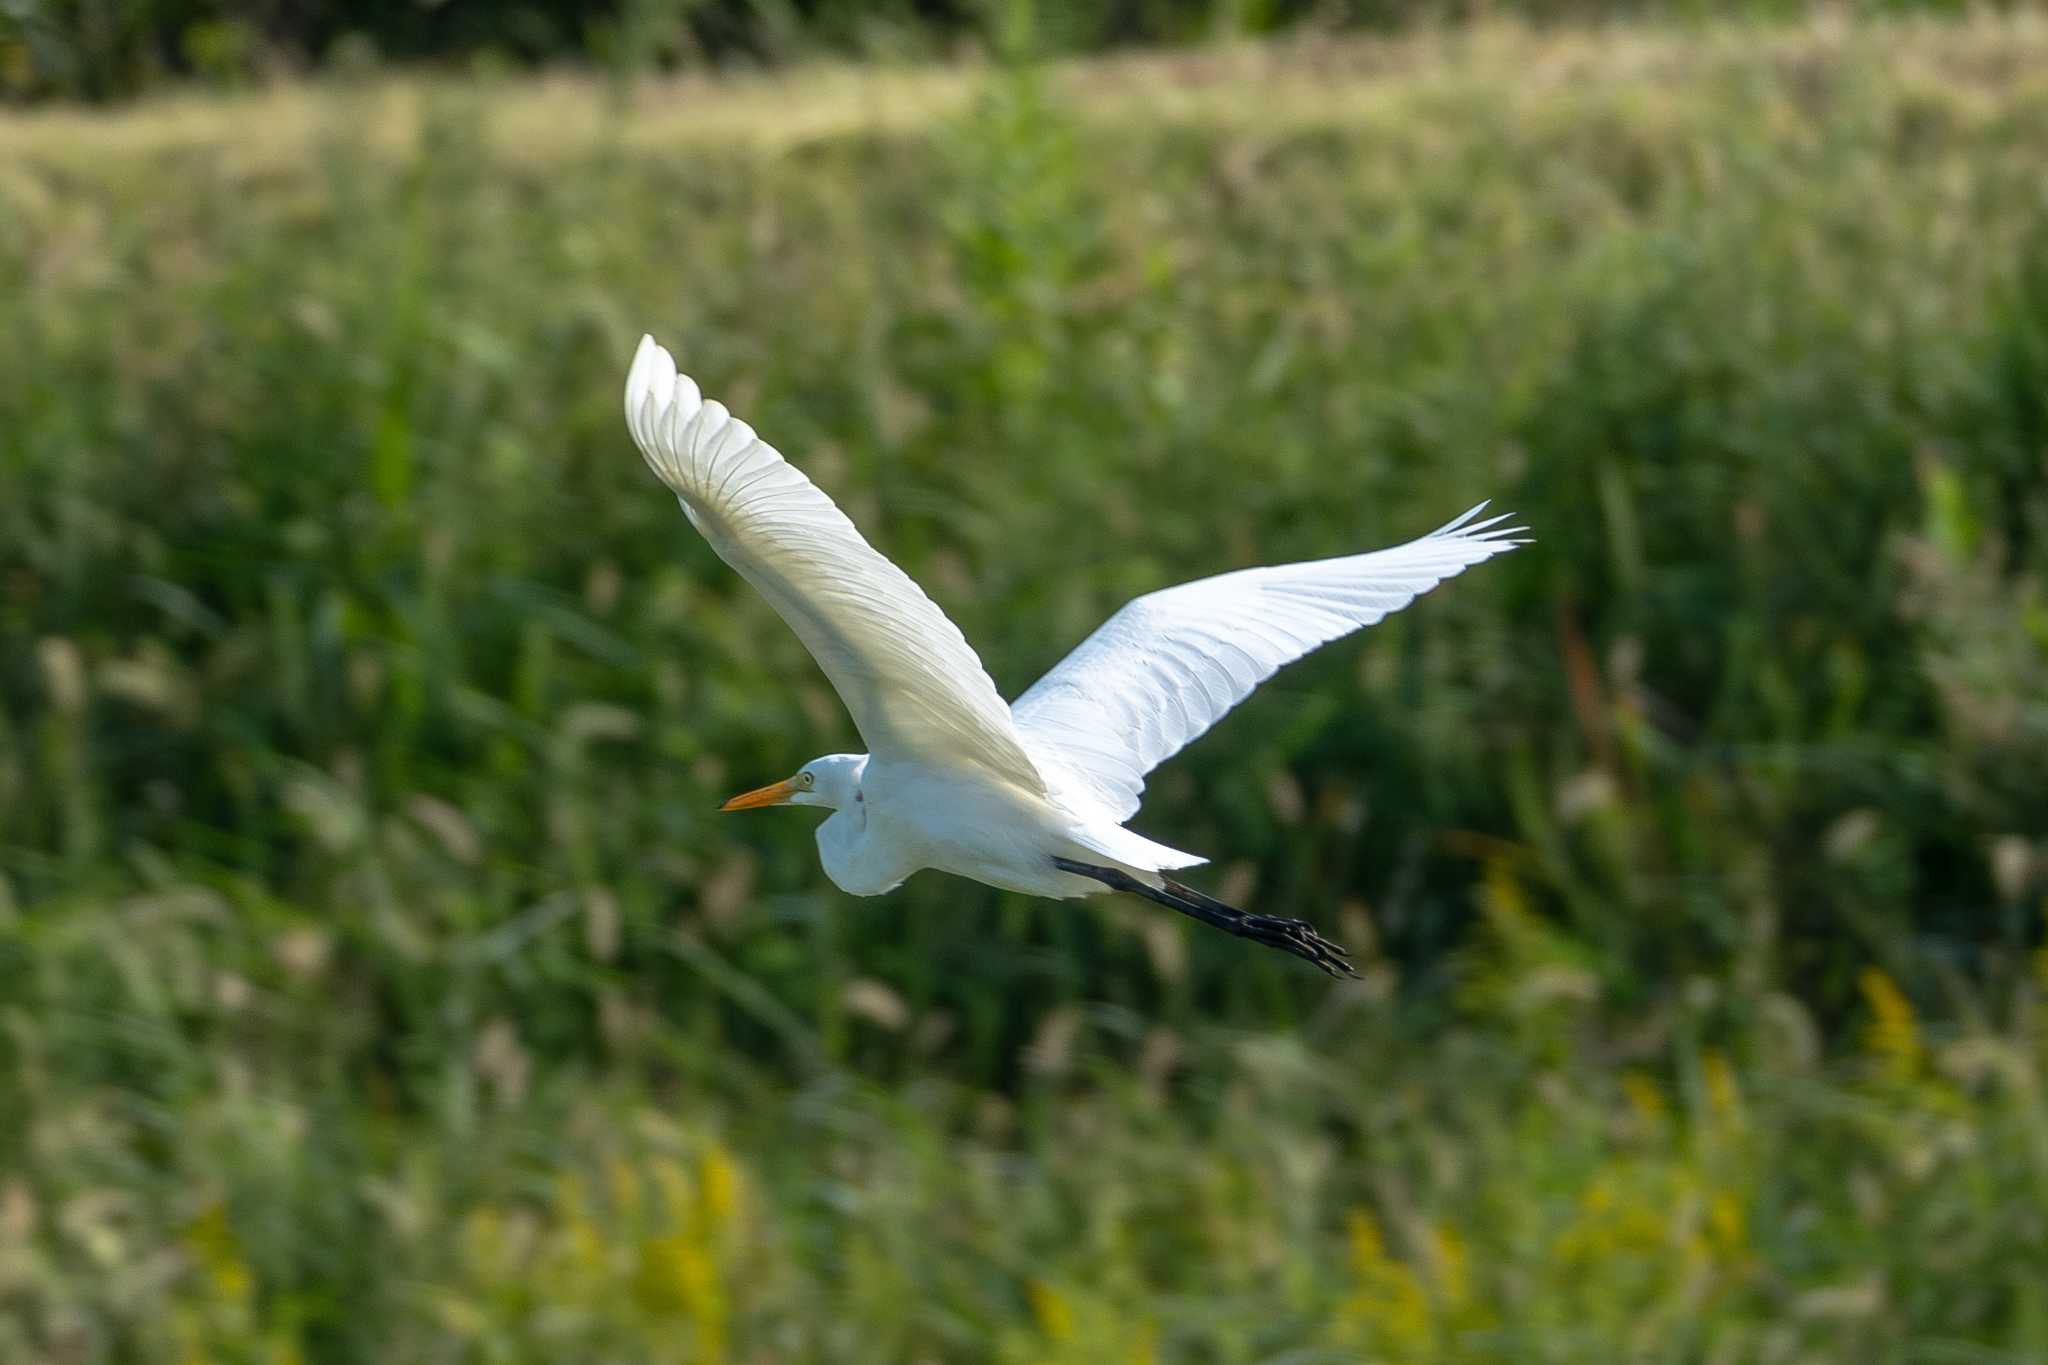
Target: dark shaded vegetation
{"x":110,"y":49}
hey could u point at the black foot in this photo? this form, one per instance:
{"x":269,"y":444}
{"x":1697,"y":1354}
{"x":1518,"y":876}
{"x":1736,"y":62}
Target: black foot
{"x":1299,"y":937}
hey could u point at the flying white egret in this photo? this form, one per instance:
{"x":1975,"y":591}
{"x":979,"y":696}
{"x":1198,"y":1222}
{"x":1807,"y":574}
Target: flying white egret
{"x":1033,"y":796}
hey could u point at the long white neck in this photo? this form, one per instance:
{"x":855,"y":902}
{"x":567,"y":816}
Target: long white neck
{"x":857,"y":863}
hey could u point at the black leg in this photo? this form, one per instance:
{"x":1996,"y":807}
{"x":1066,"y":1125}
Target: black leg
{"x":1289,"y":935}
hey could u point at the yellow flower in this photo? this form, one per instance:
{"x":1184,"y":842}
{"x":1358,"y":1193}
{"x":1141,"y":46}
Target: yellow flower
{"x":1453,"y":1265}
{"x":720,"y":1180}
{"x":674,"y":1184}
{"x":483,"y":1239}
{"x":212,"y":1242}
{"x":1724,"y":1099}
{"x":1505,"y":896}
{"x":1054,"y":1314}
{"x":1725,"y":1230}
{"x":1388,"y":1301}
{"x":677,"y":1274}
{"x":623,"y":1185}
{"x":1893,"y":1036}
{"x":1612,"y":1226}
{"x":1644,"y":1097}
{"x":585,"y":1240}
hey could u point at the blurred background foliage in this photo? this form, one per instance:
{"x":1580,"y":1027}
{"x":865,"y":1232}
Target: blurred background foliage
{"x":110,"y":49}
{"x":376,"y":982}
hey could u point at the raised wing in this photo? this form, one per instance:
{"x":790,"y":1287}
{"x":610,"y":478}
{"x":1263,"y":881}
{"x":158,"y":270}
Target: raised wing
{"x":1169,"y":665}
{"x":913,"y":685}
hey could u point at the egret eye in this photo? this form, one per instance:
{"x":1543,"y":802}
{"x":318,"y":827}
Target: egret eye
{"x":808,"y":780}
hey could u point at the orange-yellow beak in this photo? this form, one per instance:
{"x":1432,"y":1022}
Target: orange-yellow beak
{"x":774,"y":794}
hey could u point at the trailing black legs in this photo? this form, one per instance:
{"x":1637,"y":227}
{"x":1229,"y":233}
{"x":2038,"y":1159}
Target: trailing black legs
{"x":1289,"y":935}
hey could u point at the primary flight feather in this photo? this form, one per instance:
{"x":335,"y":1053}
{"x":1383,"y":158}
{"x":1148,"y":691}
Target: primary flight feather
{"x":1032,"y":796}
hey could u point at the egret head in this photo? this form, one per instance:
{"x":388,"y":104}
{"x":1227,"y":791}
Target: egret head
{"x":832,"y":781}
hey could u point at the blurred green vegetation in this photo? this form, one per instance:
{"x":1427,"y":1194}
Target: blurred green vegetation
{"x":377,"y":984}
{"x":111,"y":49}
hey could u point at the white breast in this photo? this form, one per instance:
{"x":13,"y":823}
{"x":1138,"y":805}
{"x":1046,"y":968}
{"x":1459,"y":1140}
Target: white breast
{"x":859,"y":859}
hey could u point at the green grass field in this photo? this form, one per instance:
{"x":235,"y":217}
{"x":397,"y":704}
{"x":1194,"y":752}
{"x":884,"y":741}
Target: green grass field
{"x":377,"y":984}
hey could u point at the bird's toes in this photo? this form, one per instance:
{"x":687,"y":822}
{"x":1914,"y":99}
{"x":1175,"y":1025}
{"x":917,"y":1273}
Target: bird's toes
{"x":1324,"y":955}
{"x":1278,"y":924}
{"x":1331,"y":959}
{"x":1300,"y":938}
{"x":1296,"y":926}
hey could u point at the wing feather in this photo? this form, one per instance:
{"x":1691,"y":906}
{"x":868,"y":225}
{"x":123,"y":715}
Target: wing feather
{"x":1161,"y":671}
{"x":913,"y":685}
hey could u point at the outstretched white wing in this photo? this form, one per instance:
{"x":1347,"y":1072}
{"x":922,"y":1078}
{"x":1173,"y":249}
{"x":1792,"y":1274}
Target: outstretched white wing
{"x":913,"y":685}
{"x":1165,"y":668}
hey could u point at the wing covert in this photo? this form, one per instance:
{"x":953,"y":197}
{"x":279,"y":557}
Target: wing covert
{"x":911,"y":682}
